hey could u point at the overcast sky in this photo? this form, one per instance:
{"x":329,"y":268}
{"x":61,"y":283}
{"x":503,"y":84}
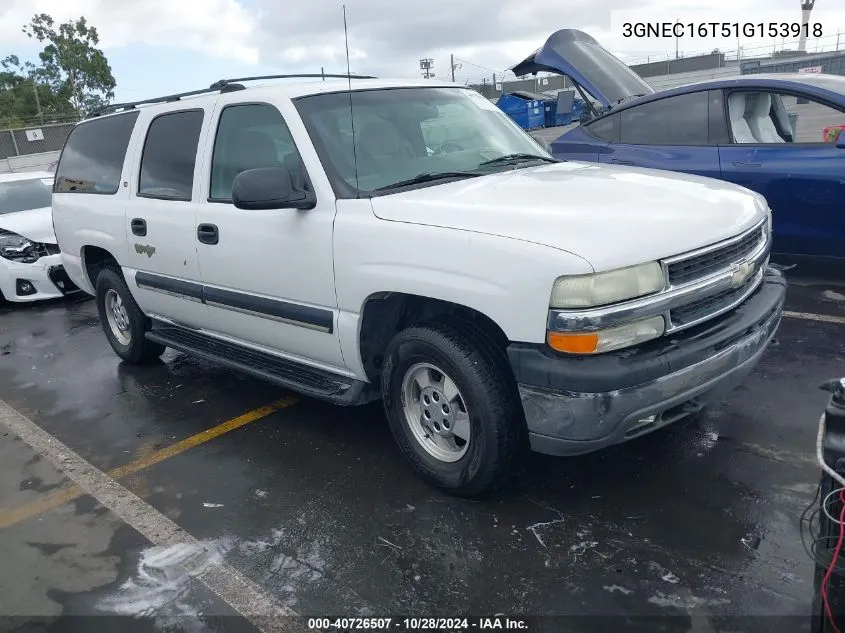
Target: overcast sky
{"x":158,"y":46}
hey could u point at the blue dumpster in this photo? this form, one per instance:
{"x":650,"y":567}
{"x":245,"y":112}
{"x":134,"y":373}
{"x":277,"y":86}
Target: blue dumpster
{"x":551,"y":113}
{"x":565,"y":100}
{"x":526,"y":108}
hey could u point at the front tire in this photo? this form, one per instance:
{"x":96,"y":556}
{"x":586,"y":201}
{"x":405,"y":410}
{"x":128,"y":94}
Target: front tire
{"x":453,"y":406}
{"x":123,"y":322}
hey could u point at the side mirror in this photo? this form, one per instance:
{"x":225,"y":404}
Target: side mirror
{"x":269,"y":188}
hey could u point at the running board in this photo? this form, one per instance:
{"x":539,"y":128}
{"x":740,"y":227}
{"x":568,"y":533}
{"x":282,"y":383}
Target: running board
{"x":291,"y":375}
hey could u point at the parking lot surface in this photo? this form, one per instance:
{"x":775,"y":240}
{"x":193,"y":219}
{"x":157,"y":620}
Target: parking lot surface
{"x":312,"y":507}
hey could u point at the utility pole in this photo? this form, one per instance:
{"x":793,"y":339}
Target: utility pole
{"x":452,"y":65}
{"x":37,"y":101}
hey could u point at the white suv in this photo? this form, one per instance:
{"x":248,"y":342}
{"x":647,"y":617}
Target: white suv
{"x":494,"y":297}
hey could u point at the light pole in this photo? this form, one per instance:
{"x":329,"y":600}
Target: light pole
{"x":677,"y":41}
{"x":427,"y":66}
{"x":806,"y":10}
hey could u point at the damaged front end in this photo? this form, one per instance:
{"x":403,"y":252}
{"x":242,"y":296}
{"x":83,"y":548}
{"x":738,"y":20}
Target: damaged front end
{"x":20,"y":249}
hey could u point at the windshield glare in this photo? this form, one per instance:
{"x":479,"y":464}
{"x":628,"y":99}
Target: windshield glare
{"x":22,"y":195}
{"x":404,"y":132}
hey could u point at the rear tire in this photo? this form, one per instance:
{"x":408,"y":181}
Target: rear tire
{"x":453,"y":406}
{"x":123,"y":322}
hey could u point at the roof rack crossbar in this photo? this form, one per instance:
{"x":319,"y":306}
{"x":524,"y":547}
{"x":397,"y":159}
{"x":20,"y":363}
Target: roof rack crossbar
{"x":217,"y":86}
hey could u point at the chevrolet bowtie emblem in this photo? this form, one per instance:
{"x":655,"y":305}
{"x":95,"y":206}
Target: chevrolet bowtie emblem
{"x":741,"y":273}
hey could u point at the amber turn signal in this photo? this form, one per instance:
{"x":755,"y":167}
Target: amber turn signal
{"x":573,"y":342}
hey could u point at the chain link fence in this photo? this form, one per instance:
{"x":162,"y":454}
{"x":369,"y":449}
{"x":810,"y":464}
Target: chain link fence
{"x":33,"y":140}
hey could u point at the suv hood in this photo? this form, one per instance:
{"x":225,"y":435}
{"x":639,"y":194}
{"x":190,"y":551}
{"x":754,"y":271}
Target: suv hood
{"x":34,"y":224}
{"x":611,"y":216}
{"x":580,"y":57}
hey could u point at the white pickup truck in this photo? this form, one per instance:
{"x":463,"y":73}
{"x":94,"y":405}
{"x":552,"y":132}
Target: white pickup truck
{"x":362,"y":239}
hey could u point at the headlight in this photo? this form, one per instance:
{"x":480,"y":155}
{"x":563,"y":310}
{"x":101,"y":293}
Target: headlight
{"x":586,"y":291}
{"x":17,"y":248}
{"x":607,"y":340}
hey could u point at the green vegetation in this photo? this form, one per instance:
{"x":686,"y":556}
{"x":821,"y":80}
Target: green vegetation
{"x":72,"y":76}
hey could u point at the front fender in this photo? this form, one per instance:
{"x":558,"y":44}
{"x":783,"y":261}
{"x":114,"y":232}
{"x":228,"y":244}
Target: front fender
{"x":508,"y":280}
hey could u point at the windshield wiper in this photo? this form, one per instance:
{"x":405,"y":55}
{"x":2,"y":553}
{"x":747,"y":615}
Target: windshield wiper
{"x":428,"y":177}
{"x":513,"y":158}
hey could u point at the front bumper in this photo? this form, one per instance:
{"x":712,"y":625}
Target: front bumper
{"x":576,"y":405}
{"x":46,"y":275}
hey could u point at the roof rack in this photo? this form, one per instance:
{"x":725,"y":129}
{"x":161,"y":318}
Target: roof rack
{"x":223,"y":85}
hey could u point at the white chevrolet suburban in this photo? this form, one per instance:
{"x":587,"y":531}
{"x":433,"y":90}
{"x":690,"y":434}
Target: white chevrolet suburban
{"x":362,"y":239}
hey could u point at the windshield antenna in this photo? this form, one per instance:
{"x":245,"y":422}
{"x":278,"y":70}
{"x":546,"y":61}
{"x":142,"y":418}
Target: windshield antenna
{"x":351,"y":117}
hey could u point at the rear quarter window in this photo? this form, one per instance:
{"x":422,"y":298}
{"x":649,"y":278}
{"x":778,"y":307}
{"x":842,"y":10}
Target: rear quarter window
{"x":677,"y":120}
{"x":606,"y":129}
{"x":92,"y":159}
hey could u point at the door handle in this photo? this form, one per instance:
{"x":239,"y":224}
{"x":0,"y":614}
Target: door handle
{"x":620,"y":161}
{"x":208,"y":233}
{"x":739,"y":163}
{"x":139,"y":226}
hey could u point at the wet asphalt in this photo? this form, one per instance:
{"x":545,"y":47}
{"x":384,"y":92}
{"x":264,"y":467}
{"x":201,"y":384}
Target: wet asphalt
{"x":315,"y":504}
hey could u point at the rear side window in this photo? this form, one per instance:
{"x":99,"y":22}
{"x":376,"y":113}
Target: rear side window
{"x":170,"y":153}
{"x":681,"y":120}
{"x":92,"y":159}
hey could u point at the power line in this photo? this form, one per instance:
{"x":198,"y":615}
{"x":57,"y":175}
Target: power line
{"x":458,"y":59}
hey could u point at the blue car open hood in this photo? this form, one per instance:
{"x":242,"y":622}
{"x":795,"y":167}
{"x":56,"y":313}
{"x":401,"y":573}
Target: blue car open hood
{"x":580,"y":57}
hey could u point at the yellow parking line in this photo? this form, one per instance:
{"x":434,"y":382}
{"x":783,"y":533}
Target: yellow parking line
{"x":61,"y":497}
{"x":39,"y":506}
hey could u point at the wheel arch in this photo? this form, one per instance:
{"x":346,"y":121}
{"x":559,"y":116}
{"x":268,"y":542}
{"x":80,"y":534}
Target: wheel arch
{"x":384,"y":314}
{"x":94,"y":259}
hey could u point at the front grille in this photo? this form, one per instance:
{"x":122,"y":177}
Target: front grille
{"x":700,"y":266}
{"x":709,"y":306}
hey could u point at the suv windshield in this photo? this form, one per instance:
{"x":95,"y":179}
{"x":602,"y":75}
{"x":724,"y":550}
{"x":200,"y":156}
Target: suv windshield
{"x":22,"y":195}
{"x":412,"y":137}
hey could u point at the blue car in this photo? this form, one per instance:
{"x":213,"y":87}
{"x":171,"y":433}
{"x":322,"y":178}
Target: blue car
{"x":780,"y":135}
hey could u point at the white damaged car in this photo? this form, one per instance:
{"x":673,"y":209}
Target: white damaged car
{"x":30,"y":265}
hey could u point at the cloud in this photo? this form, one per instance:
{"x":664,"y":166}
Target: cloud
{"x":386,"y":38}
{"x":218,"y":28}
{"x":490,"y":34}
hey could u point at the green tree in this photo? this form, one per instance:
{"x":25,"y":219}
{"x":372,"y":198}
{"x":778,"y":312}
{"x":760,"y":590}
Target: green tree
{"x":71,"y":64}
{"x":24,"y":99}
